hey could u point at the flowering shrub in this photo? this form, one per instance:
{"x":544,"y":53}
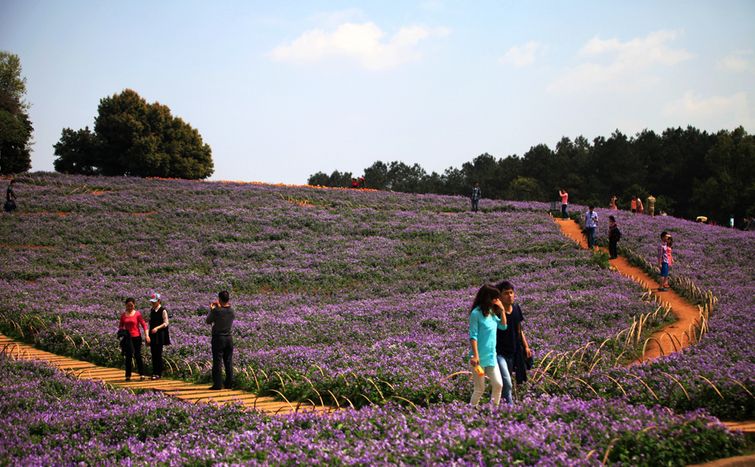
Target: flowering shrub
{"x":52,"y":419}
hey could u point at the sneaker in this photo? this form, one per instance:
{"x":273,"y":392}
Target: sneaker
{"x":128,"y":378}
{"x":214,"y":388}
{"x":154,"y":377}
{"x":662,"y":289}
{"x":141,"y":378}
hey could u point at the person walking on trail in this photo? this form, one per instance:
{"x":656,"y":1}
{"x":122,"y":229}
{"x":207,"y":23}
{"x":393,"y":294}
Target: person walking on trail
{"x":512,"y":350}
{"x":131,"y":340}
{"x":475,"y":196}
{"x":591,"y":223}
{"x":665,"y":260}
{"x":10,"y":197}
{"x":614,"y":235}
{"x":651,"y":205}
{"x":485,"y":318}
{"x":221,"y":317}
{"x":564,"y":202}
{"x":159,"y":334}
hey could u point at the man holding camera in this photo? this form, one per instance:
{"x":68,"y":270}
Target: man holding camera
{"x":221,"y":317}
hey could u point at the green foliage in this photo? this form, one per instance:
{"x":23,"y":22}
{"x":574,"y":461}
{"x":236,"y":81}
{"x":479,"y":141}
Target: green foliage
{"x":132,"y":137}
{"x":690,"y":172}
{"x":15,"y":127}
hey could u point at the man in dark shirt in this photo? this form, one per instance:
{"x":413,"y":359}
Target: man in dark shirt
{"x":221,"y":318}
{"x":10,"y":197}
{"x":511,"y":345}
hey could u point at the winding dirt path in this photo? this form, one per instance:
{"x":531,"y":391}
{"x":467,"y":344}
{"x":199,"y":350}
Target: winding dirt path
{"x":188,"y":392}
{"x":673,"y":337}
{"x":670,"y":339}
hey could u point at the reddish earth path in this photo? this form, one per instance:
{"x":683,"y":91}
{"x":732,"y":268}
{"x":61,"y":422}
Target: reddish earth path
{"x":673,"y":337}
{"x":175,"y":388}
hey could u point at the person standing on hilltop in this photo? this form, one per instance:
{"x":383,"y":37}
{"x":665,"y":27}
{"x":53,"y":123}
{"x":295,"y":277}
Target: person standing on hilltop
{"x":10,"y":197}
{"x":475,"y":196}
{"x":564,"y":202}
{"x":221,"y":317}
{"x":159,"y":335}
{"x":651,"y":205}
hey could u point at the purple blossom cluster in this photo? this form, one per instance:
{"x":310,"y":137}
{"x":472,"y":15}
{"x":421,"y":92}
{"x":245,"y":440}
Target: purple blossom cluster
{"x":365,"y":294}
{"x":52,"y":419}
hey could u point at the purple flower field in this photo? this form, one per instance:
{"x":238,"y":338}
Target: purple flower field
{"x":364,"y":293}
{"x":52,"y":419}
{"x":361,"y":298}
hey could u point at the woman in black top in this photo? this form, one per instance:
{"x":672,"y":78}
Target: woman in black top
{"x":10,"y":198}
{"x":158,"y":329}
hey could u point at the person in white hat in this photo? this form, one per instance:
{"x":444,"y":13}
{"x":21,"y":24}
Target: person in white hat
{"x":158,"y":332}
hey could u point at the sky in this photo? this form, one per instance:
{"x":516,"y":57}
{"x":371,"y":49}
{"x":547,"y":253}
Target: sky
{"x":283,"y":89}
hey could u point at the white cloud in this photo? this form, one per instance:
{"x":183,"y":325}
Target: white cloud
{"x":712,"y":112}
{"x":522,"y":56}
{"x":737,"y":61}
{"x":619,"y":65}
{"x":364,"y":43}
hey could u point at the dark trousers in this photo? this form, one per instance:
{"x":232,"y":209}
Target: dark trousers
{"x":613,"y":248}
{"x":134,"y":351}
{"x":590,"y":237}
{"x":475,"y":204}
{"x":157,"y":357}
{"x":563,"y":211}
{"x":222,"y":354}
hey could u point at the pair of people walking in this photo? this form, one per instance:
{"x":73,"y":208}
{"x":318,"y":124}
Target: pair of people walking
{"x":157,"y":336}
{"x":498,"y":344}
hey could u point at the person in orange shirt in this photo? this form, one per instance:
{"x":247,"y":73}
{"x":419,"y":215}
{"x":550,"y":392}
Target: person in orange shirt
{"x":633,"y":204}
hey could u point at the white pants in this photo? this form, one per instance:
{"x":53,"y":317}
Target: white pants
{"x":494,"y":373}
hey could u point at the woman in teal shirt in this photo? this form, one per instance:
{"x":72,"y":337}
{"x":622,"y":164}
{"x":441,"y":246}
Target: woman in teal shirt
{"x":485,"y":319}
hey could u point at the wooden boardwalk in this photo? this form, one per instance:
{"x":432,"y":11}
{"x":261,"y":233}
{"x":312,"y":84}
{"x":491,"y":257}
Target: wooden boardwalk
{"x":175,"y":388}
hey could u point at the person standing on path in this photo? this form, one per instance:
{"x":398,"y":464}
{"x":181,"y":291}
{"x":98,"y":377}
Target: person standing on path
{"x":640,"y":207}
{"x":651,"y":205}
{"x":221,"y":317}
{"x":512,"y":350}
{"x":131,"y":343}
{"x":485,"y":318}
{"x":633,"y":204}
{"x":612,"y":203}
{"x":614,"y":235}
{"x":476,"y":195}
{"x":591,"y":223}
{"x":10,"y":197}
{"x":159,"y":334}
{"x":564,"y":202}
{"x":665,"y":260}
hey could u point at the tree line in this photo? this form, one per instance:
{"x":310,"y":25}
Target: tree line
{"x":690,"y":172}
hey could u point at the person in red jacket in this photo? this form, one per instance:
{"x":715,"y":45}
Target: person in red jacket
{"x":131,"y":340}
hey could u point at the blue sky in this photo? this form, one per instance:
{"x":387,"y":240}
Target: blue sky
{"x":281,"y":90}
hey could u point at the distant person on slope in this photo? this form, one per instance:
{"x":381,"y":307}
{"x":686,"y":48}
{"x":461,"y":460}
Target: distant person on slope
{"x":591,"y":223}
{"x":475,"y":196}
{"x":131,"y":340}
{"x":564,"y":202}
{"x":612,"y":203}
{"x":485,"y":318}
{"x":614,"y":235}
{"x":221,"y":317}
{"x":665,"y":260}
{"x":10,"y":197}
{"x":640,"y":207}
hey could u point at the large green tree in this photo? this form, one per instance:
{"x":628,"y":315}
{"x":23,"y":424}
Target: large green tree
{"x":133,"y":137}
{"x":15,"y":127}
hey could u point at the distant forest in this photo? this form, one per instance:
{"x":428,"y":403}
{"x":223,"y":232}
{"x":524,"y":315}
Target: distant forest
{"x":690,"y":172}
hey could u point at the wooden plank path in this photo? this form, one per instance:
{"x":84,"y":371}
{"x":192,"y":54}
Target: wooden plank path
{"x":183,"y":390}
